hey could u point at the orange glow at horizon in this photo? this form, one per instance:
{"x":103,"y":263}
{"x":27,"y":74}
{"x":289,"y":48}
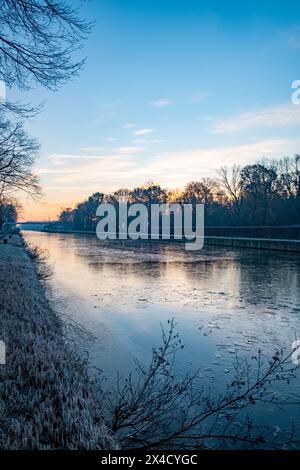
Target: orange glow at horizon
{"x":50,"y":204}
{"x":35,"y":211}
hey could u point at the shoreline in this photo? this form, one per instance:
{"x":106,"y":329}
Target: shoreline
{"x":272,"y":244}
{"x":47,"y":399}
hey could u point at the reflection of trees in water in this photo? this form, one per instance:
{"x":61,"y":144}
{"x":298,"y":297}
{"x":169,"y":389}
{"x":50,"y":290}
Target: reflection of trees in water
{"x":212,"y":278}
{"x":251,"y":278}
{"x":150,"y":259}
{"x":268,"y":278}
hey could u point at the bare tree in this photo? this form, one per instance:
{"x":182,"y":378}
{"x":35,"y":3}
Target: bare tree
{"x":37,"y":40}
{"x":289,"y":175}
{"x":198,"y":191}
{"x":230,"y":182}
{"x":150,"y":193}
{"x":153,"y":410}
{"x":260,"y":188}
{"x":9,"y":210}
{"x":17,"y":154}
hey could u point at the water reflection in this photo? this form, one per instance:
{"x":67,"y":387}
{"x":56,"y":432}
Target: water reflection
{"x":225,"y":301}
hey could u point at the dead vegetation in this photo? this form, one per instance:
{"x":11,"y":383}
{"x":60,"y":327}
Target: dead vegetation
{"x":40,"y":258}
{"x":152,"y":408}
{"x":47,"y":400}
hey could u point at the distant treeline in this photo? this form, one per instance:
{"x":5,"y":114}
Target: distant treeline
{"x":265,"y":193}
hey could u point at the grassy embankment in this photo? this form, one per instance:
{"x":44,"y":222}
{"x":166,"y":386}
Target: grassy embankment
{"x":47,"y":400}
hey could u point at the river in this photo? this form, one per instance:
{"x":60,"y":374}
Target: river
{"x":225,"y":302}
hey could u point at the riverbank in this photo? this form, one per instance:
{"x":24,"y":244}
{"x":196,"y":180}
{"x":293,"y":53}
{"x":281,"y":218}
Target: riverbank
{"x":47,"y":400}
{"x":233,"y":242}
{"x":254,"y":243}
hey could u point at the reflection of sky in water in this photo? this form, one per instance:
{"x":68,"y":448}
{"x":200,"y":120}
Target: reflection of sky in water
{"x":223,"y":300}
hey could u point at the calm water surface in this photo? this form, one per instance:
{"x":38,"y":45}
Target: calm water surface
{"x":224,"y":301}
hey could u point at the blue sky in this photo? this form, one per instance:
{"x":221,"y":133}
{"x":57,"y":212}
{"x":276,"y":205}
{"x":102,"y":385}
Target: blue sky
{"x":170,"y":91}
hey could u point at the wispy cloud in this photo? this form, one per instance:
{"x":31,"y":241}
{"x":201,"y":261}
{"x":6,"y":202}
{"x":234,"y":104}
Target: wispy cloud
{"x":143,"y":131}
{"x":129,"y":150}
{"x":111,"y":139}
{"x":275,"y":116}
{"x":79,"y":176}
{"x":106,"y":112}
{"x":87,"y":170}
{"x":169,"y":168}
{"x":62,"y":157}
{"x":161,"y":103}
{"x":91,"y":149}
{"x":147,"y":141}
{"x":176,"y":168}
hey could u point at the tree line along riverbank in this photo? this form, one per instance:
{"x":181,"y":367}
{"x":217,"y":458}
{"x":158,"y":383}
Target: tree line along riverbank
{"x":47,"y":400}
{"x":226,"y":241}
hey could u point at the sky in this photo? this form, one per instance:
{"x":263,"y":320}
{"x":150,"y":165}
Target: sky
{"x":171,"y":90}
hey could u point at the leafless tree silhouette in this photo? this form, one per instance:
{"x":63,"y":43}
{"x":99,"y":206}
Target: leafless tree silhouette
{"x":230,"y":182}
{"x":154,"y":410}
{"x":17,"y":154}
{"x":37,"y":40}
